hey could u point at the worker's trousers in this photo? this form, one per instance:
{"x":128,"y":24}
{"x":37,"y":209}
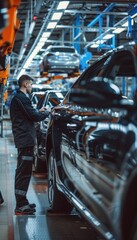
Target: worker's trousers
{"x":23,"y":174}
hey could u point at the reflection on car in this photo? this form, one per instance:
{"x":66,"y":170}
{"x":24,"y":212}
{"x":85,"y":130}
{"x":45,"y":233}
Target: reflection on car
{"x":91,"y":146}
{"x":49,"y":100}
{"x":62,"y":59}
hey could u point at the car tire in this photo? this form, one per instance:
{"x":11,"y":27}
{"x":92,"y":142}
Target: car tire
{"x":97,"y":151}
{"x":58,"y":202}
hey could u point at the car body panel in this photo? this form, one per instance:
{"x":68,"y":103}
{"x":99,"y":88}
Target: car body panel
{"x":93,"y":134}
{"x":49,"y":99}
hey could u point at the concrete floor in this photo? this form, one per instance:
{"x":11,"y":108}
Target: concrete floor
{"x":40,"y":226}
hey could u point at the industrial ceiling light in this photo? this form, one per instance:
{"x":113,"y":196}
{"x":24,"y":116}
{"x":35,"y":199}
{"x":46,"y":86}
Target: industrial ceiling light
{"x":97,"y":43}
{"x":63,"y":5}
{"x":100,"y":41}
{"x":31,"y":28}
{"x":108,"y":36}
{"x":51,"y":25}
{"x":94,"y":45}
{"x":43,"y":39}
{"x":46,"y":34}
{"x":40,"y":44}
{"x":57,"y":16}
{"x":125,"y":24}
{"x":119,"y":30}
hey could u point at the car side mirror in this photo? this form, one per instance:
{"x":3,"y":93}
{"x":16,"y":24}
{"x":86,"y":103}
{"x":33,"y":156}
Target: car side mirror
{"x":99,"y":94}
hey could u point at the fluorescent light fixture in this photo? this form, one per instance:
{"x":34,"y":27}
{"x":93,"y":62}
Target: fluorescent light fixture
{"x":40,"y":43}
{"x":95,"y":45}
{"x":43,"y":39}
{"x":46,"y":34}
{"x":125,"y":24}
{"x":100,"y":41}
{"x":108,"y":36}
{"x":32,"y":25}
{"x":63,"y":5}
{"x":35,"y":52}
{"x":51,"y":25}
{"x":22,"y":53}
{"x":38,"y":47}
{"x":119,"y":30}
{"x":57,"y":15}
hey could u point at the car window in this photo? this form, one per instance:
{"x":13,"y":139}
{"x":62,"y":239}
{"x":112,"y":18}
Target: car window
{"x":90,"y":73}
{"x":121,"y":70}
{"x":40,"y":102}
{"x":52,"y":100}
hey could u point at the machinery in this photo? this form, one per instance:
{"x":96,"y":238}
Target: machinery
{"x":8,"y":28}
{"x":9,"y":24}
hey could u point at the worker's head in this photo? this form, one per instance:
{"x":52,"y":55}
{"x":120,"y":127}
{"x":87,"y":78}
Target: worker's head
{"x":25,"y":82}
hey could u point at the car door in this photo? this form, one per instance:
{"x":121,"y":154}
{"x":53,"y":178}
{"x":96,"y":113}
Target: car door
{"x":73,"y":130}
{"x":99,"y":130}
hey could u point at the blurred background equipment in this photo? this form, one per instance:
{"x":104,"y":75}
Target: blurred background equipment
{"x":9,"y":24}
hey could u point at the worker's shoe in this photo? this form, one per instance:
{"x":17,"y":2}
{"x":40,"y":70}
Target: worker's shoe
{"x":1,"y":199}
{"x":26,"y":202}
{"x":32,"y":205}
{"x":25,"y":210}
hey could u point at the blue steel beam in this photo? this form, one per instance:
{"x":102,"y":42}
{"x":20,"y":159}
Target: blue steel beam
{"x":76,"y":32}
{"x":93,"y":22}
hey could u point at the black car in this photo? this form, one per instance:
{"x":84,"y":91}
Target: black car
{"x":49,"y":100}
{"x":92,"y":146}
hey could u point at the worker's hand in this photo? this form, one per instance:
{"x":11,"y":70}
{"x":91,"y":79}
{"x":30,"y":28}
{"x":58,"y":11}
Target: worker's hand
{"x":43,"y":109}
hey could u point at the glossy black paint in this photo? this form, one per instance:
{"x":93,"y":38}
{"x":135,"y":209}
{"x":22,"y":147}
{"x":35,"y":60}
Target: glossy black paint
{"x":93,"y":134}
{"x":49,"y":99}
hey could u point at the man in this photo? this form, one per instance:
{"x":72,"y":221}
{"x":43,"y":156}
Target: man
{"x":23,"y":116}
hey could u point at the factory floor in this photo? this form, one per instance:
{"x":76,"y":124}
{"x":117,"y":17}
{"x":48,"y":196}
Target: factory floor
{"x":40,"y":226}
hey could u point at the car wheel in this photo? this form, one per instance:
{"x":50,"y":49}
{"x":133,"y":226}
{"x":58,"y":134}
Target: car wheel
{"x":57,"y":200}
{"x":97,"y":151}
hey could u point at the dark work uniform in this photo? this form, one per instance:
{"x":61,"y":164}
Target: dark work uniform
{"x":23,"y":116}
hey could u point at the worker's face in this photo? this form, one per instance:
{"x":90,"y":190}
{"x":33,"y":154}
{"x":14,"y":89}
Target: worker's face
{"x":29,"y":86}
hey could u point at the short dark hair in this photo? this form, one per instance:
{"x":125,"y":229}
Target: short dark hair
{"x":24,"y":78}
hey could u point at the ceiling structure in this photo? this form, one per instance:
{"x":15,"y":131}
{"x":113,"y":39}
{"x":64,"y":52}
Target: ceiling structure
{"x":82,"y":24}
